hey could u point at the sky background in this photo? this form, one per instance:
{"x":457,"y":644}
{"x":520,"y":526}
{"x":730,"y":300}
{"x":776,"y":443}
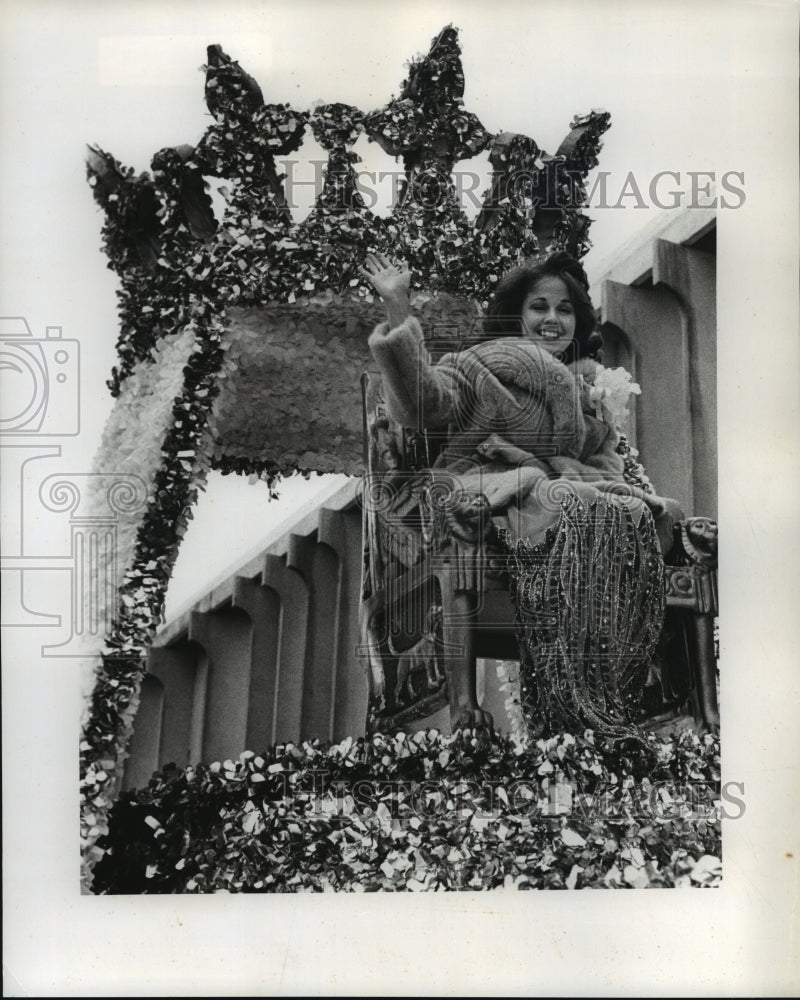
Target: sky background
{"x":706,"y":85}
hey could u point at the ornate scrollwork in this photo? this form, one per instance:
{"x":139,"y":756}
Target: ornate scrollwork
{"x":126,"y":494}
{"x":60,"y":495}
{"x":95,"y":495}
{"x":681,"y":583}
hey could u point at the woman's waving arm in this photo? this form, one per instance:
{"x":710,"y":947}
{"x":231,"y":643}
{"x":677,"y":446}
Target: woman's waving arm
{"x":392,"y":284}
{"x":419,"y":394}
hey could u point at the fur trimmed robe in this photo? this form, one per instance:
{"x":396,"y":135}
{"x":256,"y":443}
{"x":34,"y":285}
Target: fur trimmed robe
{"x":526,"y":432}
{"x":518,"y":422}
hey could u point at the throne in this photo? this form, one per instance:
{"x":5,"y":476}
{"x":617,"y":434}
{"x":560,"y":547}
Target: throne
{"x":437,"y":596}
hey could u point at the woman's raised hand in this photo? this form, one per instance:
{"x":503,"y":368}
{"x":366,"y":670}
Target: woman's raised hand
{"x":389,"y":281}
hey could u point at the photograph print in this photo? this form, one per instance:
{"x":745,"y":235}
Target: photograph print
{"x":372,"y":502}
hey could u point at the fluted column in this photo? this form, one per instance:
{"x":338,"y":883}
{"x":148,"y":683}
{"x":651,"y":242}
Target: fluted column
{"x":262,"y":605}
{"x":292,"y":592}
{"x":318,"y":565}
{"x":691,"y":274}
{"x":341,"y":530}
{"x":225,"y":637}
{"x":144,"y":751}
{"x":176,"y":668}
{"x":276,"y":662}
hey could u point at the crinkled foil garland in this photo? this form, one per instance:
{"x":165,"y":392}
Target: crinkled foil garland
{"x":425,"y":812}
{"x":185,"y":460}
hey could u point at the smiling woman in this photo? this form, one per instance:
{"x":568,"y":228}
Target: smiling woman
{"x":548,"y":316}
{"x":548,"y":302}
{"x":526,"y":433}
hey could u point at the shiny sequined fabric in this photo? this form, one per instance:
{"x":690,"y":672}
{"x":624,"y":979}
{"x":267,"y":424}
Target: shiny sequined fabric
{"x":590,"y":602}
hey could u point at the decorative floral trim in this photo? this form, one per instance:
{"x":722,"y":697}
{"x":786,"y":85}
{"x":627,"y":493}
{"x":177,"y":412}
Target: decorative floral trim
{"x":423,"y":813}
{"x":184,"y":463}
{"x":147,"y":401}
{"x":612,"y":390}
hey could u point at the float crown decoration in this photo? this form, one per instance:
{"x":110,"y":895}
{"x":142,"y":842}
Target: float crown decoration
{"x":170,"y":253}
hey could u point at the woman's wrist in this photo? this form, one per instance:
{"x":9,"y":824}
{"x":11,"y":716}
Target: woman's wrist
{"x":398,"y":309}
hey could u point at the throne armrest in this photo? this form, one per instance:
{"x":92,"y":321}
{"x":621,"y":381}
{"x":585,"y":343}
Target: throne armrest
{"x":692,"y":566}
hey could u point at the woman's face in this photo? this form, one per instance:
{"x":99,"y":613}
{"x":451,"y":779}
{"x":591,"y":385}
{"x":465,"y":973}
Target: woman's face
{"x":548,"y":316}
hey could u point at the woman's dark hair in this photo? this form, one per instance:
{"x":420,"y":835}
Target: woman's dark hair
{"x":504,"y":314}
